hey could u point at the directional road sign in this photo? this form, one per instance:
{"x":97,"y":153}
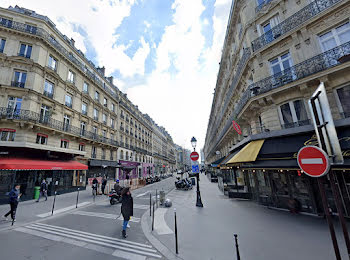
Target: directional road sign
{"x":195,"y":168}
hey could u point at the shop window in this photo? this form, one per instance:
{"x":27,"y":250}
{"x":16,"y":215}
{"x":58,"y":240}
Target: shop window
{"x":82,"y":147}
{"x":343,"y":96}
{"x":41,"y":138}
{"x":335,"y":37}
{"x":64,"y":143}
{"x":7,"y":134}
{"x":293,"y":114}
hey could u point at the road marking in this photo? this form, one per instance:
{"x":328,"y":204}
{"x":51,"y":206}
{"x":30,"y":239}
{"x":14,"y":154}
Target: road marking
{"x":312,"y":161}
{"x":140,"y":206}
{"x":131,"y":250}
{"x":103,"y":215}
{"x":160,"y":224}
{"x":142,"y":194}
{"x":58,"y":211}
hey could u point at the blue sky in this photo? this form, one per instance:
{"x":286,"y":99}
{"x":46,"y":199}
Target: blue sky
{"x":164,"y":54}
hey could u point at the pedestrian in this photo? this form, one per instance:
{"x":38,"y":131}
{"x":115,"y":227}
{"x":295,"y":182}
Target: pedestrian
{"x":43,"y":190}
{"x":127,"y":208}
{"x":118,"y":189}
{"x":14,"y":196}
{"x":104,"y":183}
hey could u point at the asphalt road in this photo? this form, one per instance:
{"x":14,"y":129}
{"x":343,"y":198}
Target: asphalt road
{"x":89,"y":232}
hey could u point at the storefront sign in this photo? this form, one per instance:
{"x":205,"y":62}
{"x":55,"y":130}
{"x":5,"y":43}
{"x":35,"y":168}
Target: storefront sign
{"x":313,"y":161}
{"x":236,"y":127}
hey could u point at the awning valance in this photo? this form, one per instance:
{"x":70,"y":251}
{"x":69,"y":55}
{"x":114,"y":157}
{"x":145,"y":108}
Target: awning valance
{"x":32,"y":164}
{"x":248,"y":153}
{"x":217,"y":162}
{"x":226,"y":159}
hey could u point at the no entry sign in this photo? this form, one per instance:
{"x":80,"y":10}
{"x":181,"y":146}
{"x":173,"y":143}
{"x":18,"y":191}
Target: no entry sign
{"x":194,"y":156}
{"x":313,"y":161}
{"x":236,"y":127}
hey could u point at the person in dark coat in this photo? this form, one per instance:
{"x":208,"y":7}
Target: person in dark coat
{"x":103,"y":186}
{"x":14,"y":196}
{"x":43,"y":190}
{"x":127,"y":208}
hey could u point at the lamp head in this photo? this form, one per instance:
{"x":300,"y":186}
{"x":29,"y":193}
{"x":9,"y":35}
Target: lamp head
{"x":194,"y":142}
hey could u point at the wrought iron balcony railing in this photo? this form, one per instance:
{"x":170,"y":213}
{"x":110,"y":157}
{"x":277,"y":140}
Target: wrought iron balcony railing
{"x":304,"y":69}
{"x":17,"y":84}
{"x":36,"y":118}
{"x":292,"y":22}
{"x":261,"y":5}
{"x":345,"y":114}
{"x":296,"y":124}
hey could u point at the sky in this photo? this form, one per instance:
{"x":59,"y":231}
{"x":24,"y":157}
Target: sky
{"x":164,"y":54}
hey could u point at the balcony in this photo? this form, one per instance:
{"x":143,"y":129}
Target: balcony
{"x":48,"y":94}
{"x":261,"y":5}
{"x":103,"y":157}
{"x":70,"y":82}
{"x":122,"y":116}
{"x":345,"y":114}
{"x":296,"y":124}
{"x":96,"y":118}
{"x":85,"y":92}
{"x":293,"y":22}
{"x":17,"y":84}
{"x":121,"y":128}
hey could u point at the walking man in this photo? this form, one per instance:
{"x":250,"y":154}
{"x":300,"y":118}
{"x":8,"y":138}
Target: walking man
{"x":43,"y":190}
{"x":14,"y":196}
{"x":127,"y":208}
{"x":104,"y":183}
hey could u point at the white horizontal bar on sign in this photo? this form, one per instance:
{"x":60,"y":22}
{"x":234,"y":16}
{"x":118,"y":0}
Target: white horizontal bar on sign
{"x":312,"y":161}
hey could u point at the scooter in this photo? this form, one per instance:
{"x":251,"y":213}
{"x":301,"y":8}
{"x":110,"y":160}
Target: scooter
{"x":183,"y":184}
{"x":114,"y":197}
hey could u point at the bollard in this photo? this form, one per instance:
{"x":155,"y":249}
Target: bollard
{"x":53,"y":205}
{"x":157,"y":198}
{"x":176,"y":244}
{"x":76,"y":205}
{"x":153,"y":217}
{"x":150,"y":204}
{"x":237,"y":250}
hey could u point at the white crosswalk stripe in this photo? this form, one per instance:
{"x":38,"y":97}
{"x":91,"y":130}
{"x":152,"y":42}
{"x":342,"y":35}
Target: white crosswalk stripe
{"x":103,"y":215}
{"x":58,"y":211}
{"x":110,"y":245}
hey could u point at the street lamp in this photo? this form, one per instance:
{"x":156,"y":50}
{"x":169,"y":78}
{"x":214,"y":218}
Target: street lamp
{"x":199,"y":199}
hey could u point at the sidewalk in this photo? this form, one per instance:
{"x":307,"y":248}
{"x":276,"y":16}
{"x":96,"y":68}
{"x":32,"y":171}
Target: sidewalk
{"x":208,"y":233}
{"x":28,"y":211}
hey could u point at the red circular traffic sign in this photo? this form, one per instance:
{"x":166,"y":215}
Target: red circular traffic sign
{"x":313,"y":161}
{"x":194,"y":156}
{"x":236,"y":127}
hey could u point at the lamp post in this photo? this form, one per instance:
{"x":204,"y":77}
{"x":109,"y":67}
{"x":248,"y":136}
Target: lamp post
{"x":199,"y":199}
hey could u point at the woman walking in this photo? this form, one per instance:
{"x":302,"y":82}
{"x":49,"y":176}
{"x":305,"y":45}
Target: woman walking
{"x":127,"y":208}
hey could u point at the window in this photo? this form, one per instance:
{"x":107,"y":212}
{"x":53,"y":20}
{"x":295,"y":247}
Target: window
{"x":280,"y":66}
{"x":104,"y":118}
{"x":343,"y":95}
{"x":25,"y":50}
{"x":2,"y":45}
{"x":52,"y":63}
{"x":82,"y":128}
{"x":127,"y":156}
{"x":103,"y":154}
{"x":85,"y":87}
{"x":84,"y":108}
{"x":71,"y":76}
{"x":68,"y":101}
{"x":94,"y":131}
{"x":66,"y":122}
{"x":112,"y":123}
{"x":121,"y":154}
{"x":112,"y":137}
{"x":19,"y":79}
{"x":7,"y":134}
{"x":41,"y":138}
{"x":265,"y":29}
{"x":293,"y":114}
{"x":97,"y":96}
{"x":48,"y":89}
{"x":105,"y":102}
{"x":82,"y":147}
{"x":111,"y":156}
{"x":113,"y":107}
{"x":64,"y":143}
{"x":93,"y":152}
{"x":13,"y":106}
{"x":96,"y":114}
{"x":31,"y":29}
{"x":104,"y":133}
{"x":45,"y":114}
{"x":335,"y":37}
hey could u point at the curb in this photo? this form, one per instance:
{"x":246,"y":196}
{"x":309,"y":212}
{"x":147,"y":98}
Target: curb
{"x":164,"y":250}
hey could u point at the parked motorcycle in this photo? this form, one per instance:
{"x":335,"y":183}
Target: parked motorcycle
{"x":183,"y":184}
{"x":114,"y":197}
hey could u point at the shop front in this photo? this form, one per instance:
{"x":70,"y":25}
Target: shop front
{"x":103,"y":168}
{"x":147,"y":169}
{"x":273,"y":177}
{"x":61,"y":175}
{"x":128,"y":170}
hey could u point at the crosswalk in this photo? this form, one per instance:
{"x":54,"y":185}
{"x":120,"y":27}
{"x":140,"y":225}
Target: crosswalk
{"x":109,"y":245}
{"x":103,"y":215}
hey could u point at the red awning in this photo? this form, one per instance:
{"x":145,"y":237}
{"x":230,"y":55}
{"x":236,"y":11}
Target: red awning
{"x":31,"y":164}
